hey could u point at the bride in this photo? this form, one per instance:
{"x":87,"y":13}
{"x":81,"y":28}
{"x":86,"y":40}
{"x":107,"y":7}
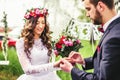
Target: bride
{"x":34,"y":49}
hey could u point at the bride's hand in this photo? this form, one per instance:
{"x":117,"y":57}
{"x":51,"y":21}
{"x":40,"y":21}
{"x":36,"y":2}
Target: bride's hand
{"x":57,"y":63}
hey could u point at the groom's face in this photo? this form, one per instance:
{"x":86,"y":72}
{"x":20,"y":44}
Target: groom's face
{"x":92,"y":12}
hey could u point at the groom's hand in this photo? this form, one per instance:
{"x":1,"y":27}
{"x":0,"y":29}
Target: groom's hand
{"x":70,"y":60}
{"x":76,"y":57}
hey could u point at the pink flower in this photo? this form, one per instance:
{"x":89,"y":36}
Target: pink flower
{"x":56,"y":52}
{"x":45,"y":11}
{"x":27,"y":16}
{"x":66,"y":43}
{"x":78,"y":41}
{"x":37,"y":11}
{"x":70,"y":43}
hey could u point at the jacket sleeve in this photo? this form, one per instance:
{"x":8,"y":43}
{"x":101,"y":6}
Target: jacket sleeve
{"x":82,"y":75}
{"x":88,"y":63}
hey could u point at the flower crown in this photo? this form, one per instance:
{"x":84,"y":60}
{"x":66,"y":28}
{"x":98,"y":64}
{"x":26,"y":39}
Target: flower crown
{"x":35,"y":12}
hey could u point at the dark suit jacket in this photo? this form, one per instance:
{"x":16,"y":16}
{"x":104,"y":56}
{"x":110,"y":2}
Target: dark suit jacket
{"x":106,"y":59}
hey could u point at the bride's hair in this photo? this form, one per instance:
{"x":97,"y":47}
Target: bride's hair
{"x":28,"y":35}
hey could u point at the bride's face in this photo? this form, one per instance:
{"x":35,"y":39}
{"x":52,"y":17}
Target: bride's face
{"x":39,"y":26}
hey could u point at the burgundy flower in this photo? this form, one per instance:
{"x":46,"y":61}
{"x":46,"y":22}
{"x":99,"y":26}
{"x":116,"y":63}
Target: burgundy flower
{"x":32,"y":13}
{"x":78,"y":41}
{"x":100,"y":28}
{"x":66,"y":44}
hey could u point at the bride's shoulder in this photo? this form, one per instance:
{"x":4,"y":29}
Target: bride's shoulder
{"x":20,"y":41}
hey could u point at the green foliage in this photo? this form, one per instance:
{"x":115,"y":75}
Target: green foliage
{"x":85,"y":31}
{"x":83,"y":17}
{"x":13,"y":70}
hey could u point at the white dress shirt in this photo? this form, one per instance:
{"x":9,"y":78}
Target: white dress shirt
{"x":108,"y":23}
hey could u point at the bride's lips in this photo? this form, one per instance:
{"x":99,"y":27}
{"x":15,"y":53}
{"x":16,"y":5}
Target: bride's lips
{"x":39,"y":29}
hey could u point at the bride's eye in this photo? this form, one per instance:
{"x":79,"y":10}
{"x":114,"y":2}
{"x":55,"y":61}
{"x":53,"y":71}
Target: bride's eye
{"x":43,"y":22}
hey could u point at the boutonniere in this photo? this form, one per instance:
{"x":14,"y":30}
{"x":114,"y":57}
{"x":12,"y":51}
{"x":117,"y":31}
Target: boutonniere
{"x":100,"y":28}
{"x":98,"y":48}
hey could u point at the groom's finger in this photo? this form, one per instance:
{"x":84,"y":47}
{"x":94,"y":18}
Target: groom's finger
{"x":74,"y":55}
{"x":70,"y":60}
{"x":71,"y":54}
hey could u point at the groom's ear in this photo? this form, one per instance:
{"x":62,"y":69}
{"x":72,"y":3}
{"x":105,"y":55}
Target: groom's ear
{"x":101,"y":7}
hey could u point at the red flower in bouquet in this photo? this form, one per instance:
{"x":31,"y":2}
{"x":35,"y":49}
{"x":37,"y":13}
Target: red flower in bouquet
{"x":65,"y":45}
{"x":58,"y":45}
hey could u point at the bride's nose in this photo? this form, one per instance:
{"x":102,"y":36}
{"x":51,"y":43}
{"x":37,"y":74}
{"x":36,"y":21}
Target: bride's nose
{"x":40,"y":25}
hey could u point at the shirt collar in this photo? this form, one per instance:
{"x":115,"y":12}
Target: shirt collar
{"x":107,"y":23}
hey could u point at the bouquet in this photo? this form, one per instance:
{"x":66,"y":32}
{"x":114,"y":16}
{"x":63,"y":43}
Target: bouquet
{"x":67,"y":42}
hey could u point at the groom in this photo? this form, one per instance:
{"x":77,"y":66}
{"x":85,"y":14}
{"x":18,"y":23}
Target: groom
{"x":106,"y":59}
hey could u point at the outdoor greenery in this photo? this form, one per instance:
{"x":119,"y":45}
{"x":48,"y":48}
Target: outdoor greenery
{"x":14,"y":70}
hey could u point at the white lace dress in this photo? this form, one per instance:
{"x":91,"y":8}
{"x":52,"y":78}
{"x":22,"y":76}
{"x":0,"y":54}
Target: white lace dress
{"x":38,"y":67}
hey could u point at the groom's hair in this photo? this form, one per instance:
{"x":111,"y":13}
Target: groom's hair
{"x":108,"y":3}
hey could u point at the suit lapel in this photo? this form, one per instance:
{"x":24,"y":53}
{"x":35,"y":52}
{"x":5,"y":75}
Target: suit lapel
{"x":106,"y":32}
{"x":108,"y":29}
{"x":98,"y":53}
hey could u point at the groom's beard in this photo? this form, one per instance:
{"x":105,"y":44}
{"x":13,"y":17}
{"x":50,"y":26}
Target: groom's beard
{"x":98,"y":18}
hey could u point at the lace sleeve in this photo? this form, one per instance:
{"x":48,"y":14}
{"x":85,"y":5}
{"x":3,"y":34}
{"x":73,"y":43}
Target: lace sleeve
{"x":52,"y":59}
{"x":27,"y":67}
